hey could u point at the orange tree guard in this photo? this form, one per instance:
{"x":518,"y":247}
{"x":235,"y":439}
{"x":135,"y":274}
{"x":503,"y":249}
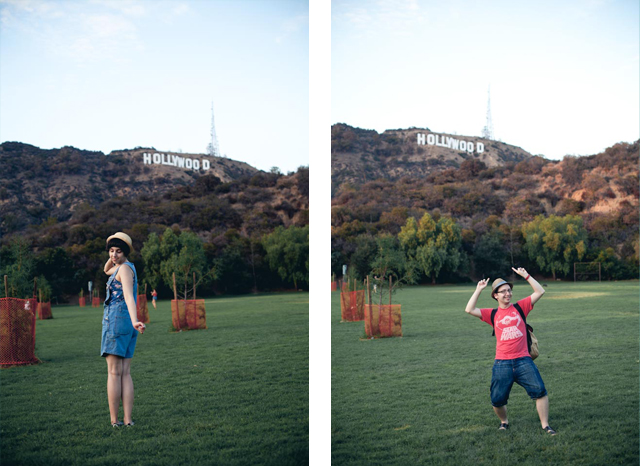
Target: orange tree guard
{"x":44,"y":311}
{"x":334,"y":286}
{"x":82,"y":302}
{"x":143,"y":309}
{"x":383,"y":321}
{"x":17,"y":331}
{"x":96,"y":302}
{"x":189,"y":314}
{"x":352,"y":305}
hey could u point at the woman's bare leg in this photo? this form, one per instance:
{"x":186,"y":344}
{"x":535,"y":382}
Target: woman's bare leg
{"x":114,"y":385}
{"x":127,"y":390}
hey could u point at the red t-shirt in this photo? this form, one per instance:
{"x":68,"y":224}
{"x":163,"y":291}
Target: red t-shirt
{"x":511,"y":331}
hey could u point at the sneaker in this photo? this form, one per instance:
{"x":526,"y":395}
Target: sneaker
{"x":117,"y":424}
{"x":549,"y":430}
{"x":503,"y":426}
{"x":130,"y":424}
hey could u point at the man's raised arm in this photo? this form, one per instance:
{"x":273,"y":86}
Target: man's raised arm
{"x":538,"y":290}
{"x":471,"y":305}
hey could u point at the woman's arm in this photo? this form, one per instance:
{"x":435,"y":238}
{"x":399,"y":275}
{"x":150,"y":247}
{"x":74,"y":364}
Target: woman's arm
{"x":538,"y":290}
{"x":109,"y":268}
{"x":471,"y":305}
{"x":126,"y":278}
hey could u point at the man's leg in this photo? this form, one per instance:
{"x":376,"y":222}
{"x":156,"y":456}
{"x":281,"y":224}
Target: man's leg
{"x":542,"y":405}
{"x":502,"y":414}
{"x":501,"y":383}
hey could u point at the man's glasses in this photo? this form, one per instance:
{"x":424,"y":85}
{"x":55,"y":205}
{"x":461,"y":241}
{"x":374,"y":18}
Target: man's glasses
{"x":504,"y":292}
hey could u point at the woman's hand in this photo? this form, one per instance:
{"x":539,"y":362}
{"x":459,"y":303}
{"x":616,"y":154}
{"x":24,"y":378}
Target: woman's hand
{"x":140,"y":327}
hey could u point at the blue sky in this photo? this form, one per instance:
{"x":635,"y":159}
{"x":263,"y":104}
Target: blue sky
{"x":563,"y":74}
{"x":116,"y":74}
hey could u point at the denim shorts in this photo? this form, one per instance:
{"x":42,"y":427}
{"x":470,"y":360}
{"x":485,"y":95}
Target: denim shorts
{"x":118,"y":335}
{"x":521,"y":371}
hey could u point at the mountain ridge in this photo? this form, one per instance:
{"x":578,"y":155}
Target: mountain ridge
{"x":359,"y":155}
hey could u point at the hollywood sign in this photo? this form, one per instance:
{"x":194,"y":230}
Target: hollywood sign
{"x":176,"y":161}
{"x":447,"y":141}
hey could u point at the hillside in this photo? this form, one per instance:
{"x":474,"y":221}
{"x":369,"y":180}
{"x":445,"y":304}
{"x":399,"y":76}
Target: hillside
{"x":602,"y":189}
{"x":359,"y":155}
{"x":61,"y":205}
{"x":37,"y":184}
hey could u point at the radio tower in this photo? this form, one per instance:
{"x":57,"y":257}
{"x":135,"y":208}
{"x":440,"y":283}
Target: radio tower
{"x":487,"y":131}
{"x":212,"y":148}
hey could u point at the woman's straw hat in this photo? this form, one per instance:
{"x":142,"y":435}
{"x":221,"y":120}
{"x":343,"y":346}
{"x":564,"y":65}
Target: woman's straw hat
{"x":122,"y":236}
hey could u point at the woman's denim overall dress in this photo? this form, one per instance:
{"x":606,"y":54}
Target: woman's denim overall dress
{"x":118,"y":335}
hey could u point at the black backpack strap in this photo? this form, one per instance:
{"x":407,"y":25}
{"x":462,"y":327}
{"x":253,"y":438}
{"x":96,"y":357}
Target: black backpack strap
{"x":529,"y":327}
{"x":493,"y":316}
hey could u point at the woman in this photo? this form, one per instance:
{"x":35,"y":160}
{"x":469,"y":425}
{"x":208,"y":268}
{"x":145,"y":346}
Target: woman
{"x":154,"y":295}
{"x":120,"y":326}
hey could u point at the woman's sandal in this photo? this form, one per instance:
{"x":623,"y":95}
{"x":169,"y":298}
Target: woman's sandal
{"x":130,"y":424}
{"x":503,"y":426}
{"x":549,"y":430}
{"x":117,"y":424}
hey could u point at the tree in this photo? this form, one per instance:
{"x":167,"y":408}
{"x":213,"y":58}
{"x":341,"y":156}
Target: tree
{"x":491,"y":254}
{"x":391,"y":262}
{"x":152,"y":258}
{"x":287,"y":252}
{"x":183,"y":255}
{"x":555,"y":243}
{"x":364,"y":255}
{"x":432,"y":246}
{"x":19,"y":265}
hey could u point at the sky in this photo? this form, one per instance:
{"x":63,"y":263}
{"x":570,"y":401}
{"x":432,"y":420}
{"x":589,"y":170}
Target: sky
{"x":106,"y":75}
{"x":563,"y":75}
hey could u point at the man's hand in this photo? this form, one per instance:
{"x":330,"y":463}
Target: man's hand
{"x":522,"y":272}
{"x":482,"y":284}
{"x":139,"y":326}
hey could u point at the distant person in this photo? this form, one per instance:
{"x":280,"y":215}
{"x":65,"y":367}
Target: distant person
{"x":120,"y":326}
{"x":154,"y":298}
{"x":513,"y":362}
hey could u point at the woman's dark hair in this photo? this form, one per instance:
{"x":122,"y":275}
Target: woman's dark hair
{"x":118,"y":243}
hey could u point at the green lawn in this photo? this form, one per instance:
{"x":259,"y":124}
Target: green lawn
{"x":236,"y":393}
{"x":424,"y":398}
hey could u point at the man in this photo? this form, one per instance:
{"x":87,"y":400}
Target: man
{"x":513,"y":362}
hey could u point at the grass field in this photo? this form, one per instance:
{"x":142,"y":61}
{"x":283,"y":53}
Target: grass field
{"x":234,"y":394}
{"x":424,"y":398}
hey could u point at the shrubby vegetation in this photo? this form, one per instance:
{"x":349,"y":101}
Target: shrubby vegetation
{"x":473,"y":222}
{"x":223,"y":224}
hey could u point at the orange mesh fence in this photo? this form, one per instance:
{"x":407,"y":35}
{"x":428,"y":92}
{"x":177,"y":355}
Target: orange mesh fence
{"x":196,"y":317}
{"x":17,"y":331}
{"x":143,"y":309}
{"x":334,"y":286}
{"x":44,"y":311}
{"x":352,"y":305}
{"x":82,"y":302}
{"x":96,"y":302}
{"x":383,"y":321}
{"x":189,"y":314}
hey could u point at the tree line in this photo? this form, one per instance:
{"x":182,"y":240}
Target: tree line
{"x":235,"y":264}
{"x":436,"y":249}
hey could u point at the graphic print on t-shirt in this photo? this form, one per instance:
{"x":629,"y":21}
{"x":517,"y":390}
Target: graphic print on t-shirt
{"x":509,"y":326}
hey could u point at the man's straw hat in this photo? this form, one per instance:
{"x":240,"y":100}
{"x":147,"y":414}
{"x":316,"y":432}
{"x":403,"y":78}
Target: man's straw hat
{"x":122,"y":236}
{"x":497,"y":283}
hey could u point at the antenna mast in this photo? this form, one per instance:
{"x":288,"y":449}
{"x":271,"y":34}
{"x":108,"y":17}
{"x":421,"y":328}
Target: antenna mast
{"x":487,"y":131}
{"x":212,"y":148}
